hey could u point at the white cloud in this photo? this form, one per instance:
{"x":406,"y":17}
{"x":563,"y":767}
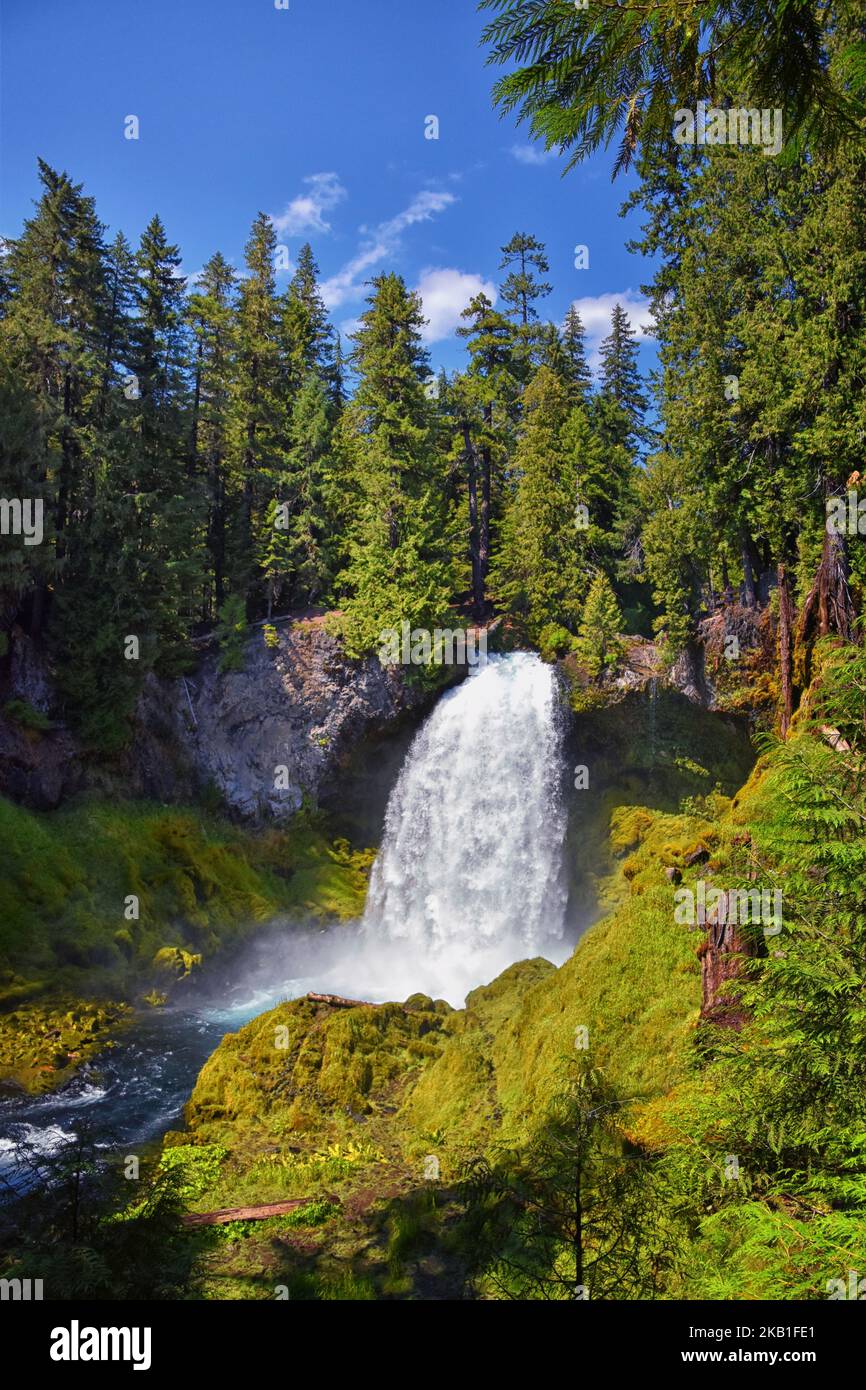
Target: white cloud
{"x":532,"y":154}
{"x":445,"y":294}
{"x":595,"y":315}
{"x":378,"y":244}
{"x":306,"y":212}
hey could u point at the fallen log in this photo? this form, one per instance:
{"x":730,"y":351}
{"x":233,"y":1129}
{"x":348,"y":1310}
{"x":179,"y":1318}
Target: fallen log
{"x":259,"y":1213}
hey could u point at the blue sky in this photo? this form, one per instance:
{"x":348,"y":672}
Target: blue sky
{"x":316,"y":115}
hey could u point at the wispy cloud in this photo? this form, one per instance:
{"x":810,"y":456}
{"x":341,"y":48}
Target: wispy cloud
{"x":445,"y":293}
{"x":306,"y":212}
{"x":532,"y":154}
{"x":378,"y":243}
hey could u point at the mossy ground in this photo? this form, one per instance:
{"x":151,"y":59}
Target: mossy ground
{"x":69,"y":935}
{"x":374,"y":1111}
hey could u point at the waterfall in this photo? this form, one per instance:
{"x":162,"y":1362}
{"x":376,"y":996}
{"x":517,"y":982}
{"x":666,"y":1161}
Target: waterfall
{"x":471,"y":864}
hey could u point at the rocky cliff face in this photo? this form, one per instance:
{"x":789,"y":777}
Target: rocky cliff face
{"x":277,"y":732}
{"x":263,"y":738}
{"x":39,"y":763}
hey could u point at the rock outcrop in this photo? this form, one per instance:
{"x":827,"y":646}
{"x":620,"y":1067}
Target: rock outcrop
{"x":275,"y":733}
{"x":39,"y":759}
{"x":263,"y":739}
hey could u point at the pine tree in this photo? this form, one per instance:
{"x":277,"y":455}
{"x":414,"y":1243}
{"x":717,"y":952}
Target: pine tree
{"x":305,"y":334}
{"x":621,"y":382}
{"x":169,"y":507}
{"x":400,"y":565}
{"x":521,"y":287}
{"x":309,"y":473}
{"x":485,"y":401}
{"x":600,"y":626}
{"x":520,"y":291}
{"x":575,"y":1213}
{"x":259,"y":410}
{"x":537,"y":572}
{"x":574,"y":346}
{"x":211,"y":313}
{"x":53,"y":329}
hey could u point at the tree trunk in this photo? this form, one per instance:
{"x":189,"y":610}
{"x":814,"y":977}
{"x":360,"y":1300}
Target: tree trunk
{"x":786,"y":620}
{"x":829,"y":606}
{"x":750,"y":594}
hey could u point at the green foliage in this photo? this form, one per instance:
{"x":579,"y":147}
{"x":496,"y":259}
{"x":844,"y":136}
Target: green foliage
{"x":201,"y":884}
{"x":21,"y":712}
{"x":197,"y":1167}
{"x":400,"y":567}
{"x":598,"y":640}
{"x":231,"y":634}
{"x":655,"y":59}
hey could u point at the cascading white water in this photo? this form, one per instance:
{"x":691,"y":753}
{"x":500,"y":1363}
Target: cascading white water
{"x":471,"y":864}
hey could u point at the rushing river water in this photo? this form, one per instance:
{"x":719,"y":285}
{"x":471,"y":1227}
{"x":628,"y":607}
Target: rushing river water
{"x":469,"y":878}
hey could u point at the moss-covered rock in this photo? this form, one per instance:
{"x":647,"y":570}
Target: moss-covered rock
{"x":42,"y":1043}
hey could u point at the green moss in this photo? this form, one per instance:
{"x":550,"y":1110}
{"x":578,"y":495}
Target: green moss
{"x":43,"y":1042}
{"x":128,"y":893}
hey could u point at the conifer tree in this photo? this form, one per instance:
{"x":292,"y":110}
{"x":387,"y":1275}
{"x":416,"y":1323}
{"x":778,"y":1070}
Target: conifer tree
{"x":485,"y":401}
{"x":523,"y":256}
{"x":621,"y":383}
{"x":600,"y":626}
{"x":537,"y":571}
{"x":400,"y":566}
{"x":522,"y":287}
{"x":211,"y":313}
{"x":573,"y":340}
{"x":305,"y":334}
{"x":259,"y":408}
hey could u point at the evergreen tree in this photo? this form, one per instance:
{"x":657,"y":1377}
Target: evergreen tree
{"x":621,"y":383}
{"x":211,"y":313}
{"x":259,"y":409}
{"x":305,"y":334}
{"x":400,"y":565}
{"x":168,"y":527}
{"x":575,"y":1213}
{"x":582,"y":76}
{"x":309,"y":473}
{"x":485,"y":401}
{"x":522,"y":287}
{"x":537,"y":572}
{"x":573,"y":340}
{"x":522,"y":257}
{"x":600,"y":626}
